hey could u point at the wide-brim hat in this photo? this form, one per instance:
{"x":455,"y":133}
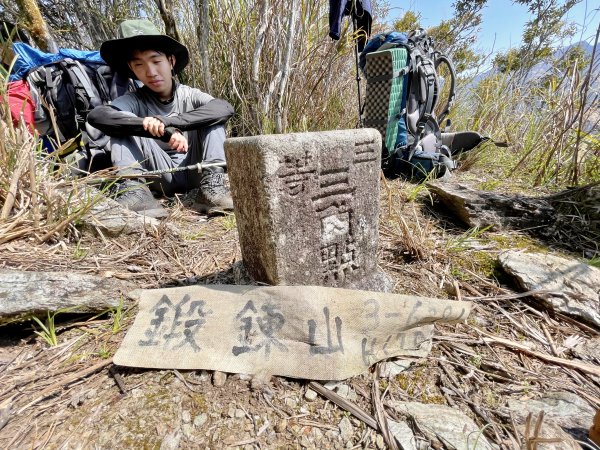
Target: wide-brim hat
{"x":141,"y":34}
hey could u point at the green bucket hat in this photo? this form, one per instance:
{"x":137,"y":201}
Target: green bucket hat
{"x":141,"y":34}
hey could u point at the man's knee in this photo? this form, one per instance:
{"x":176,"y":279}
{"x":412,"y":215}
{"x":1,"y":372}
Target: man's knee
{"x":215,"y":132}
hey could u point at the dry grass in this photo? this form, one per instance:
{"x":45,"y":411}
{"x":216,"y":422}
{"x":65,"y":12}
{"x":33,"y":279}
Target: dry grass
{"x":39,"y":203}
{"x":276,"y":64}
{"x":550,"y":122}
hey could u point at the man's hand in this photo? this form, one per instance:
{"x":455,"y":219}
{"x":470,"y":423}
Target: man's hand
{"x":178,"y":142}
{"x":154,"y":126}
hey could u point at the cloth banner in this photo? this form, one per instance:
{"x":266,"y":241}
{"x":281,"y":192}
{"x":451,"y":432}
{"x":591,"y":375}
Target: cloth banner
{"x":308,"y":332}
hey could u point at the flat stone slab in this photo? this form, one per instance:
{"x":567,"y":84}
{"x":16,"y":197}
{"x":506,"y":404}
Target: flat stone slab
{"x":107,"y":217}
{"x":403,"y":434}
{"x":111,"y":219}
{"x":576,"y":285}
{"x":567,"y":410}
{"x":446,"y":424}
{"x":307,"y":207}
{"x":482,"y":209}
{"x":36,"y":293}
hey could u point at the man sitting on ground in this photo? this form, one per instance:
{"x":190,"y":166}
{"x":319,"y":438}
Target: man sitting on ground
{"x":162,"y":125}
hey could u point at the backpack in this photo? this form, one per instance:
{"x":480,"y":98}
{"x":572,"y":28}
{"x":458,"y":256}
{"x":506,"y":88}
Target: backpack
{"x":403,"y":90}
{"x":67,"y":90}
{"x":65,"y":87}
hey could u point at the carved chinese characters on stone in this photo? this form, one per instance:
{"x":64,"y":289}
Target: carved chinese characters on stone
{"x":333,"y":203}
{"x":296,"y":172}
{"x":365,"y":151}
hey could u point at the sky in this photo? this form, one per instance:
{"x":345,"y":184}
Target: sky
{"x":502,"y":23}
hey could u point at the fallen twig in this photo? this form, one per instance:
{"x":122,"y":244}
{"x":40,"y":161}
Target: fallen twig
{"x":73,"y":377}
{"x":380,"y":414}
{"x":118,"y":379}
{"x":344,"y":404}
{"x":550,"y":340}
{"x":588,"y":368}
{"x":514,"y":296}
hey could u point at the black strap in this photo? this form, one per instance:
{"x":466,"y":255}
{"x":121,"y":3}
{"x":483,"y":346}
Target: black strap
{"x":443,"y":59}
{"x":388,"y":76}
{"x":375,"y":122}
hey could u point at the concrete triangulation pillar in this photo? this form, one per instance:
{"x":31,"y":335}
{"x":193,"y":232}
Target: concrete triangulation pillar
{"x":307,"y":207}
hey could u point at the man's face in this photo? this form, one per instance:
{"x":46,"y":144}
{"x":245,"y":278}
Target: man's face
{"x":153,"y":68}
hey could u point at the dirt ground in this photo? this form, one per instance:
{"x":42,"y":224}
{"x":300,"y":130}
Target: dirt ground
{"x":72,"y":396}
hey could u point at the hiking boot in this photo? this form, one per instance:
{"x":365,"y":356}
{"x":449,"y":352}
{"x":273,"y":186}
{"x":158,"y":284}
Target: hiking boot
{"x":136,"y":196}
{"x":214,"y":196}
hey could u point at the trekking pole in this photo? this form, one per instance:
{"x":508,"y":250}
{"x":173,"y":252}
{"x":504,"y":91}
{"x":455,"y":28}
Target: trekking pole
{"x":356,"y":63}
{"x":199,"y":167}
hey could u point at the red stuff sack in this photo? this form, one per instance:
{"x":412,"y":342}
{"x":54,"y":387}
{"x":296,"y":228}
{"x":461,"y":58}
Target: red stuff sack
{"x":21,"y":103}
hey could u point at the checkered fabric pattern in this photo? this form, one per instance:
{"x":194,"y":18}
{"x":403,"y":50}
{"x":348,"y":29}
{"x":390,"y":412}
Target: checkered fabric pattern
{"x":384,"y":98}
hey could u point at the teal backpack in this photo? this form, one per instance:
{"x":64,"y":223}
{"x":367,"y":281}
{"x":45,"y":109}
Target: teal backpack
{"x":403,"y":90}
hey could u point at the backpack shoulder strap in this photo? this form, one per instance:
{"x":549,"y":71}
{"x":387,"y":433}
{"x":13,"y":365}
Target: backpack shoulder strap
{"x":423,"y":84}
{"x":439,"y":60}
{"x":85,"y":91}
{"x":103,"y":76}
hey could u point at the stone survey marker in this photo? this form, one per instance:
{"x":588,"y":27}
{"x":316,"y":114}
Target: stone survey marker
{"x":307,"y":206}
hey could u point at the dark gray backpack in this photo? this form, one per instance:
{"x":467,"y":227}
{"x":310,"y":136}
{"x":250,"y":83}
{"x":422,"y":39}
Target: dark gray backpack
{"x":65,"y":92}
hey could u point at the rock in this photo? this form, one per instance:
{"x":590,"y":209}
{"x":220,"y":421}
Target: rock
{"x":137,"y":393}
{"x":200,"y":420}
{"x":481,"y":209}
{"x":390,"y":369}
{"x":304,"y":206}
{"x":231,"y":412}
{"x":281,"y":426}
{"x":219,"y":378}
{"x":441,"y":422}
{"x":37,"y":293}
{"x":575,"y":285}
{"x":403,"y":434}
{"x":186,"y":417}
{"x":548,"y":430}
{"x":317,"y":434}
{"x":109,"y":218}
{"x":589,"y":349}
{"x":310,"y":395}
{"x":346,"y":429}
{"x":305,"y":442}
{"x":291,"y":403}
{"x":239,"y":413}
{"x":565,"y":409}
{"x":171,"y":441}
{"x":187,"y":430}
{"x":204,"y":376}
{"x":332,"y":434}
{"x":261,"y":382}
{"x":345,"y":391}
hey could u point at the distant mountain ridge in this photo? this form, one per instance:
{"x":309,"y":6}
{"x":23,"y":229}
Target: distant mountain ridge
{"x":544,"y":67}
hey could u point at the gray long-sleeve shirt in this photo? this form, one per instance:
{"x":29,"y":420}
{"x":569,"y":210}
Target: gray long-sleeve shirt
{"x":190,"y":109}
